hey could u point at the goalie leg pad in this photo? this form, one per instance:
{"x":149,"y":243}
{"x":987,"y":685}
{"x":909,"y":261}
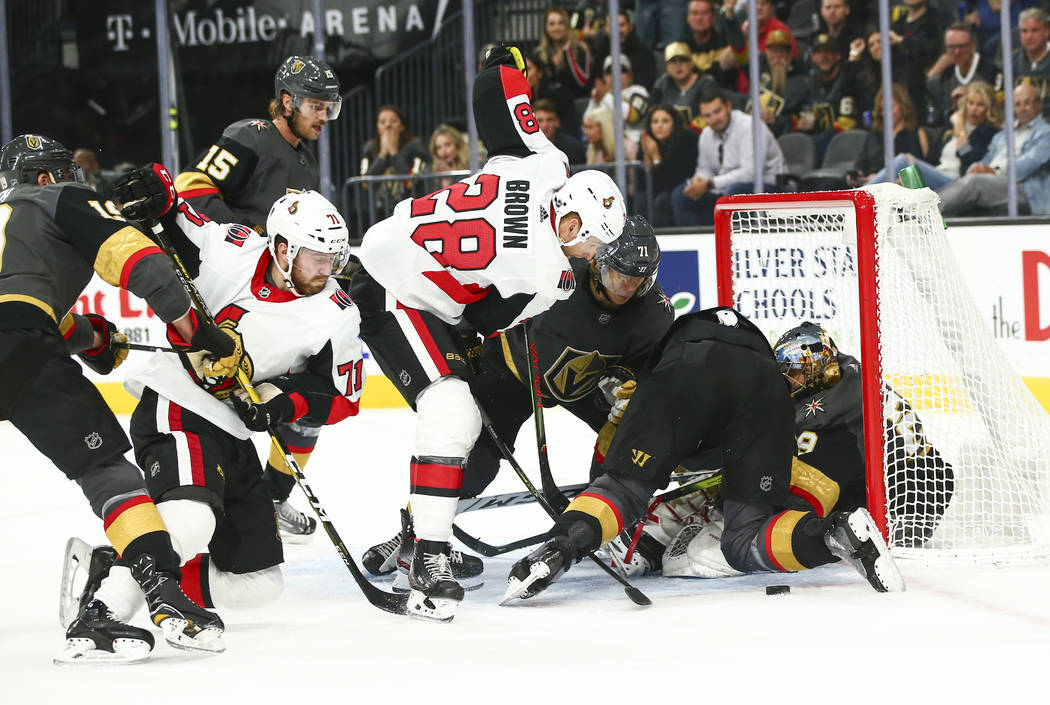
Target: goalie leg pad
{"x":696,"y":552}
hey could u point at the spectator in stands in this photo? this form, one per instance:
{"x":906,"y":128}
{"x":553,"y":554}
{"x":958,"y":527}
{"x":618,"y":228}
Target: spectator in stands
{"x":87,"y":160}
{"x":659,"y":22}
{"x":960,"y":64}
{"x":973,"y":125}
{"x":682,"y":85}
{"x":709,"y":44}
{"x":907,"y":137}
{"x":725,"y":161}
{"x":1032,"y":58}
{"x":985,"y":184}
{"x":784,"y":84}
{"x":393,"y":150}
{"x":589,"y":20}
{"x":550,"y":126}
{"x":669,"y":150}
{"x":768,"y":22}
{"x":915,"y":37}
{"x":601,"y":137}
{"x":543,"y":88}
{"x":640,"y":54}
{"x":832,"y":104}
{"x":449,"y":151}
{"x":836,"y":20}
{"x":564,"y":58}
{"x":635,"y":101}
{"x":985,"y":15}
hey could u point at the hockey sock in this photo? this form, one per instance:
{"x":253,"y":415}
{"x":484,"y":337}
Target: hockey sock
{"x":135,"y":527}
{"x":278,"y":484}
{"x":195,"y":580}
{"x":435,"y":485}
{"x":792,"y":540}
{"x":590,"y":520}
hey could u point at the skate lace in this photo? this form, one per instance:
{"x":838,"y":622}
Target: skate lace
{"x":388,"y":548}
{"x":291,"y":517}
{"x":438,"y":566}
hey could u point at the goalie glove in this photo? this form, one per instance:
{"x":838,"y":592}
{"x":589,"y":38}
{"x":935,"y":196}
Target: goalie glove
{"x":213,"y":351}
{"x":505,"y":55}
{"x":145,"y":193}
{"x":106,"y":357}
{"x":274,"y":407}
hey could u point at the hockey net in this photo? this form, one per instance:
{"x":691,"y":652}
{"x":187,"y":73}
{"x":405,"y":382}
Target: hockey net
{"x":873,"y":266}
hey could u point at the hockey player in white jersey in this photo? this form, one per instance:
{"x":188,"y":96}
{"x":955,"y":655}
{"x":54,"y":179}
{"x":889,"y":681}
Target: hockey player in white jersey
{"x":490,"y":250}
{"x":192,"y":432}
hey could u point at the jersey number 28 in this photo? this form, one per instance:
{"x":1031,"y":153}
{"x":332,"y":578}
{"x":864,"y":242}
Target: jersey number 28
{"x":467,"y":244}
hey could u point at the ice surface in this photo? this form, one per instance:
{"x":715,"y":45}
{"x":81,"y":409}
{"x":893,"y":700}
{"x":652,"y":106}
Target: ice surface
{"x":957,"y":635}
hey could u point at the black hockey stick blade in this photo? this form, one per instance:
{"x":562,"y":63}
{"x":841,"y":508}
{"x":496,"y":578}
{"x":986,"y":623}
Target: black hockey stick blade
{"x":637,"y":596}
{"x":511,"y":499}
{"x":488,"y":550}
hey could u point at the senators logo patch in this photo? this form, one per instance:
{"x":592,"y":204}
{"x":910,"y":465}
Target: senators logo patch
{"x":567,"y":280}
{"x":294,"y":208}
{"x":238,"y":234}
{"x":608,"y":202}
{"x":342,"y":300}
{"x":576,"y":373}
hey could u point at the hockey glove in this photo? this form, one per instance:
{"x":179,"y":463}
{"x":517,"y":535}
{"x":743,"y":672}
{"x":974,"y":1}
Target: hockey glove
{"x":618,"y":394}
{"x":471,"y":344}
{"x":505,"y":55}
{"x":214,"y":351}
{"x":145,"y":193}
{"x":273,"y":407}
{"x":107,"y":356}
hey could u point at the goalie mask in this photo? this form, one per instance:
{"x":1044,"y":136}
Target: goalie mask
{"x":597,"y":200}
{"x":305,"y":78}
{"x":632,"y":260}
{"x":808,"y":358}
{"x":26,"y":156}
{"x":313,"y":229}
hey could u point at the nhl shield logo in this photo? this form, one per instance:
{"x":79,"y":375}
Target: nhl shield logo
{"x":607,"y":202}
{"x":766,"y":483}
{"x":405,"y":378}
{"x":298,"y":66}
{"x":264,"y":292}
{"x":93,"y":441}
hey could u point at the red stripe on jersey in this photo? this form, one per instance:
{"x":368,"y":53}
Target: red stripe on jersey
{"x":193,"y":442}
{"x":514,"y":83}
{"x":799,"y":492}
{"x":262,"y":289}
{"x":191,"y":580}
{"x":460,"y":293}
{"x":609,"y":503}
{"x":125,"y":506}
{"x":301,"y":408}
{"x":768,"y":542}
{"x":442,"y":477}
{"x":341,"y":408}
{"x":194,"y":193}
{"x":436,"y":356}
{"x":130,"y":262}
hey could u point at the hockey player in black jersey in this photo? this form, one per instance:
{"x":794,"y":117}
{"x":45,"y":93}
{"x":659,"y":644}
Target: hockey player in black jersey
{"x":55,"y":232}
{"x":237,"y":180}
{"x":588,"y":346}
{"x":713,"y":380}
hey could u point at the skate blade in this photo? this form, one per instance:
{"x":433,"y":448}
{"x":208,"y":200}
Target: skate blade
{"x":520,"y":588}
{"x":76,"y":561}
{"x":207,"y":640}
{"x":79,"y":652}
{"x":429,"y":608}
{"x":887,"y":574}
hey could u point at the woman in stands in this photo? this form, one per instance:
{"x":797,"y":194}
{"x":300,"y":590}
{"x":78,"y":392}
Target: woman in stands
{"x":599,"y":136}
{"x":973,"y":125}
{"x":564,"y":58}
{"x":393,"y":150}
{"x":669,"y":150}
{"x":449,"y":151}
{"x":907,"y":138}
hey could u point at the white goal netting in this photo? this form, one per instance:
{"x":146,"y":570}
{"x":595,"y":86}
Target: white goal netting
{"x":966,"y":447}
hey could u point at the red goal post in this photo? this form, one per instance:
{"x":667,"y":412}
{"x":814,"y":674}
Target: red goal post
{"x":873,"y":266}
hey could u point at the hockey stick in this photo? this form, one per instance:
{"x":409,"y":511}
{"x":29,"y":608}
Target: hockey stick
{"x":510,"y":499}
{"x":382,"y":599}
{"x":488,"y":550}
{"x":146,"y":348}
{"x":636,"y":595}
{"x":550,"y":488}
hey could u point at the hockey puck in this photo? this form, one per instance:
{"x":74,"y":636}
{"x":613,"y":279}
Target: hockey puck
{"x":778,"y":589}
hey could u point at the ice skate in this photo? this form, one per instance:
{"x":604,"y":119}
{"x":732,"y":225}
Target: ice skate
{"x":95,"y":636}
{"x":435,"y":594}
{"x":396,"y":554}
{"x":295,"y":526}
{"x":94,"y":563}
{"x":855,"y":538}
{"x":185,"y":625}
{"x":535,"y":572}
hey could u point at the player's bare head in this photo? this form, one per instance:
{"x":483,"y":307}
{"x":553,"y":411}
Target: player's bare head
{"x":627,"y":267}
{"x":306,"y":95}
{"x":588,"y":207}
{"x":808,"y":358}
{"x":35,"y":159}
{"x":308,"y":240}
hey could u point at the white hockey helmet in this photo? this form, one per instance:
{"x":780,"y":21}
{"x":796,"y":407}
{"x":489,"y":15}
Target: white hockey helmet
{"x":307,"y":220}
{"x":597,"y":200}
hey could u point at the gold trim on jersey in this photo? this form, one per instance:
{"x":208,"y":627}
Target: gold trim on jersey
{"x":67,"y":323}
{"x":136,"y":521}
{"x":601,"y":511}
{"x":780,"y":540}
{"x":193,"y":180}
{"x":277,"y":459}
{"x":815,"y":484}
{"x":114,"y":253}
{"x":30,"y":300}
{"x":508,"y":357}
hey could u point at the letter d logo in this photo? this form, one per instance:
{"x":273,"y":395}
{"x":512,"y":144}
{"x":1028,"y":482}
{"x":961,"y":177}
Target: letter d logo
{"x":1030,"y":263}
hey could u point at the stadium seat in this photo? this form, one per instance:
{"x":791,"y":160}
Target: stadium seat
{"x":839,"y":158}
